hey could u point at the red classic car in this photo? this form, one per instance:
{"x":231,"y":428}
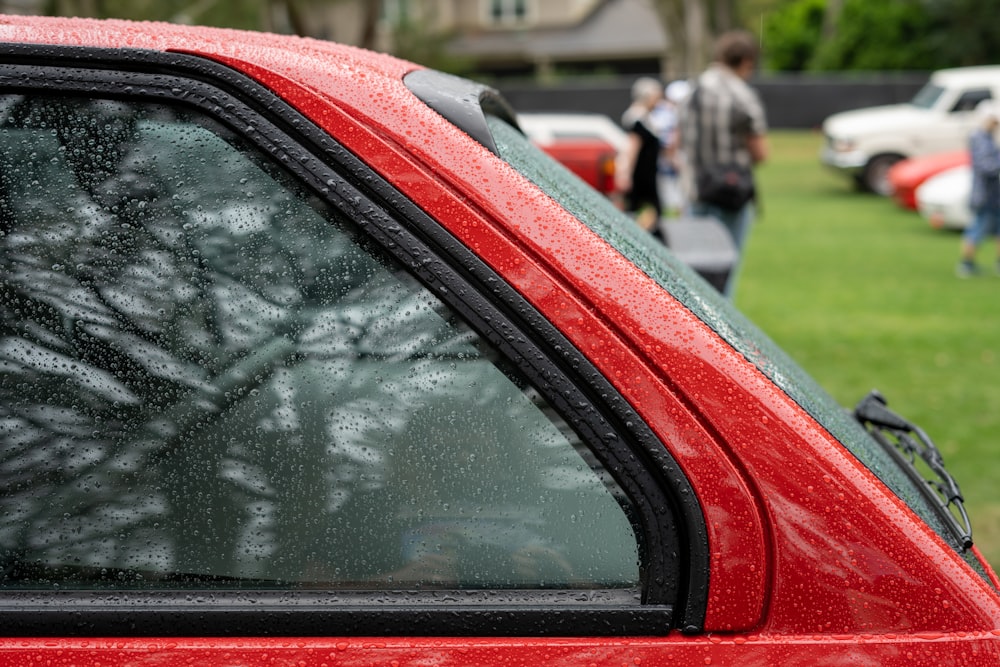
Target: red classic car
{"x":907,"y":175}
{"x":585,"y":143}
{"x":310,"y":357}
{"x":592,"y":160}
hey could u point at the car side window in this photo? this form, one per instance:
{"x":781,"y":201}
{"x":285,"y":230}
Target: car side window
{"x":210,"y":379}
{"x":970,"y":99}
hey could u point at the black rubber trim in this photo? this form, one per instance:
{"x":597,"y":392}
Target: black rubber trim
{"x":230,"y":614}
{"x":672,"y":578}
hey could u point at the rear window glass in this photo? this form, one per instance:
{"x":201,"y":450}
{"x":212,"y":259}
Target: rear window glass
{"x":210,"y":379}
{"x":598,"y":213}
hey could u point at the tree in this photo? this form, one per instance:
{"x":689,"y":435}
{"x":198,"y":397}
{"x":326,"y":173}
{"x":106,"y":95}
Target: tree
{"x":685,"y":46}
{"x":417,"y":42}
{"x":823,"y":35}
{"x":792,"y":33}
{"x":247,"y":14}
{"x":693,"y":25}
{"x":690,"y":26}
{"x":831,"y":16}
{"x":961,"y":32}
{"x":878,"y":36}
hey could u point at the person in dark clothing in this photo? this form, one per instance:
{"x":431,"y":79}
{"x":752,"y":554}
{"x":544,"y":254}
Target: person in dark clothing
{"x":636,"y":167}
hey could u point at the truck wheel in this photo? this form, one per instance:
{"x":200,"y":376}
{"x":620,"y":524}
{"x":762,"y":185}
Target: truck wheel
{"x":876,"y":175}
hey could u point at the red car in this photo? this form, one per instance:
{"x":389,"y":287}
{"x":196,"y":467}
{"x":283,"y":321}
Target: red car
{"x":907,"y":175}
{"x":585,"y":143}
{"x":311,"y":358}
{"x":592,"y":160}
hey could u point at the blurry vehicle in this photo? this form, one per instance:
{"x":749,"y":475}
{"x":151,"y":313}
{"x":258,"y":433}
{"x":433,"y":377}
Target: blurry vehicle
{"x":865,"y":143}
{"x":907,"y":175}
{"x":593,"y":160}
{"x":943,"y":199}
{"x":310,"y":357}
{"x":586,"y":143}
{"x":547,"y":128}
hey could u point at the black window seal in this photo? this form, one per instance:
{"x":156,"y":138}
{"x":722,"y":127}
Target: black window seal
{"x":560,"y":371}
{"x":196,"y":613}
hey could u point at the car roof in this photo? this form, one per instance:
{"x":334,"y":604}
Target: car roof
{"x":362,"y":82}
{"x":310,"y":57}
{"x":965,"y":76}
{"x":368,"y":86}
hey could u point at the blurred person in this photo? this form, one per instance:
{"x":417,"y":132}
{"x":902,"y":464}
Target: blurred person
{"x":665,"y":119}
{"x":985,"y":196}
{"x":723,"y":137}
{"x":636,"y":164}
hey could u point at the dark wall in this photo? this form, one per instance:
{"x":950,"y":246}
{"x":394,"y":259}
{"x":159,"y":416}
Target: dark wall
{"x":792,"y":101}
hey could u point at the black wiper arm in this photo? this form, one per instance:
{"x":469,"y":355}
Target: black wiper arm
{"x":907,"y":441}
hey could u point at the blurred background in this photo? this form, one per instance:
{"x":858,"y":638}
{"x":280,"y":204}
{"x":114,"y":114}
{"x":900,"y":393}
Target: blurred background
{"x":819,"y":56}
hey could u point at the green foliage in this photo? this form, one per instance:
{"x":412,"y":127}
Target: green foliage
{"x":245,"y":14}
{"x":791,"y":35}
{"x":878,"y":36}
{"x":248,"y":14}
{"x":884,"y":35}
{"x":965,"y":31}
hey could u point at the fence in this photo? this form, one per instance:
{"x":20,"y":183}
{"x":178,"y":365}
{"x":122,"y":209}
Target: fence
{"x":792,"y":101}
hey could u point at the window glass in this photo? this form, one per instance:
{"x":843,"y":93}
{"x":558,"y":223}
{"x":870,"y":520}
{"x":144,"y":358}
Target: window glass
{"x":508,"y":11}
{"x":209,"y":380}
{"x":927,"y":96}
{"x":970,"y":99}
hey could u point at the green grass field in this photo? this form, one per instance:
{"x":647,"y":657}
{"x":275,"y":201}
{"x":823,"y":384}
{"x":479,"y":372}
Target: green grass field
{"x":863,"y":295}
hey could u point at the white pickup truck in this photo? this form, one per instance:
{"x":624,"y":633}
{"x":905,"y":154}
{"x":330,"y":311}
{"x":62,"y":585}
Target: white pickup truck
{"x":864,"y":143}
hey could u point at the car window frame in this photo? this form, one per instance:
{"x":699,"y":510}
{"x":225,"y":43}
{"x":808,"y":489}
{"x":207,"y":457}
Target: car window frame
{"x":619,"y":438}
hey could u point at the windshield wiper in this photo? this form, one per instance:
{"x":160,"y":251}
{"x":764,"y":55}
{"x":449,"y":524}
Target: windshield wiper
{"x":905,"y":442}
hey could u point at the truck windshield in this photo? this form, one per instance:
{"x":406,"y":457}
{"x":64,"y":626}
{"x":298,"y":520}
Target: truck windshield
{"x":927,"y":96}
{"x":648,"y":254}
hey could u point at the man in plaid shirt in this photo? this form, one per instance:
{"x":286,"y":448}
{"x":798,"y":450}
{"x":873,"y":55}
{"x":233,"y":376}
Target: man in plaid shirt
{"x":723,"y":123}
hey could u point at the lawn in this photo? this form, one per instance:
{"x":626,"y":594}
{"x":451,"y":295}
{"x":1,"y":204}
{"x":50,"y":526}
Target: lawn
{"x":863,"y":295}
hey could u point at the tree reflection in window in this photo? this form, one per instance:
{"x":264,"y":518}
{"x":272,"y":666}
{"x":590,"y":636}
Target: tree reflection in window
{"x":208,"y":379}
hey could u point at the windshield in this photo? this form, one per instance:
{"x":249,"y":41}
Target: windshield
{"x":927,"y":96}
{"x":598,"y":213}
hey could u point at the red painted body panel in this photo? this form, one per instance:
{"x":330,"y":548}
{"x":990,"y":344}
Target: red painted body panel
{"x":753,"y":650}
{"x":907,"y":175}
{"x":810,"y":552}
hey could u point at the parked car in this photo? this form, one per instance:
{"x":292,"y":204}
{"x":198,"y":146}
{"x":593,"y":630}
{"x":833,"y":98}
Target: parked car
{"x":548,"y":127}
{"x":907,"y":175}
{"x":310,"y":357}
{"x":586,"y":143}
{"x":865,"y":143}
{"x":593,"y":160}
{"x":943,"y":200}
